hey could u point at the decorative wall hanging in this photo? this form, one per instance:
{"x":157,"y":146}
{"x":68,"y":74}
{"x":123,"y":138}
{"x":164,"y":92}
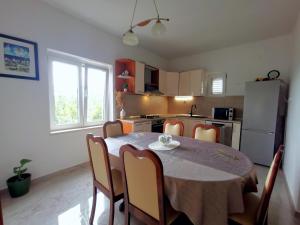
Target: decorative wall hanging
{"x":18,"y":58}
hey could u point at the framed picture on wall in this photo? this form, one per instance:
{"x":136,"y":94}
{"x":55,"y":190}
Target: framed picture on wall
{"x":18,"y":58}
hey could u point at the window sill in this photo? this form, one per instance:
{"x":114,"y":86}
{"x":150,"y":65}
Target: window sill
{"x":75,"y":129}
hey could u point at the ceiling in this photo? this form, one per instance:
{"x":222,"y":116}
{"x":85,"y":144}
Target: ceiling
{"x":195,"y":25}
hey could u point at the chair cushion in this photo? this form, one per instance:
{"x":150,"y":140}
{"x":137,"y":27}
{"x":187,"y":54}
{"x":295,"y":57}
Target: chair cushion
{"x":209,"y":135}
{"x":171,"y":214}
{"x":172,"y":129}
{"x":117,"y":181}
{"x":251,"y":202}
{"x":114,"y":130}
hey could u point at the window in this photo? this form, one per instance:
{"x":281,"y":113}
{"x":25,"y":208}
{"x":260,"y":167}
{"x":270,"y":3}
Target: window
{"x":78,"y":92}
{"x":217,"y":83}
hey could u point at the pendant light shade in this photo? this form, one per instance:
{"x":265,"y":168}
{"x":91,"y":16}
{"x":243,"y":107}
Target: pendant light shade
{"x":158,"y":28}
{"x":130,"y":38}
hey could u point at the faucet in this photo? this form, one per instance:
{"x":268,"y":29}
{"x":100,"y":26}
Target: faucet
{"x":193,"y":107}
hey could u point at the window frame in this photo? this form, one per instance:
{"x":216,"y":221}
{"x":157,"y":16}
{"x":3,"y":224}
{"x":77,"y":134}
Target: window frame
{"x":211,"y":77}
{"x":105,"y":97}
{"x":54,"y":55}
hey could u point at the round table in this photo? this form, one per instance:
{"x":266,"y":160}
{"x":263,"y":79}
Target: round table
{"x":204,"y":180}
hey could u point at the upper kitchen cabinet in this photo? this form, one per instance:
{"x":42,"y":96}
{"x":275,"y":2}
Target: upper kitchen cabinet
{"x":162,"y":82}
{"x":172,"y":83}
{"x":139,"y":78}
{"x":125,"y":70}
{"x":184,"y":84}
{"x":198,"y":82}
{"x":192,"y":83}
{"x":130,"y":76}
{"x":152,"y":80}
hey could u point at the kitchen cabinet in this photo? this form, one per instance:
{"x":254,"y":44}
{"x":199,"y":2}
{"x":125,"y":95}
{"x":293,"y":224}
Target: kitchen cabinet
{"x":136,"y":126}
{"x":184,"y":84}
{"x":192,"y":83}
{"x":139,"y":78}
{"x":198,"y":83}
{"x":172,"y":83}
{"x":162,"y":86}
{"x":236,"y":136}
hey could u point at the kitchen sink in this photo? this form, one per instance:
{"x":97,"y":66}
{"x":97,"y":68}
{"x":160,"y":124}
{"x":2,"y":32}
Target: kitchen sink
{"x":193,"y":116}
{"x":197,"y":116}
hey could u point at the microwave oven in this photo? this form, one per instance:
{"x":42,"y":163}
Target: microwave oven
{"x":223,"y":113}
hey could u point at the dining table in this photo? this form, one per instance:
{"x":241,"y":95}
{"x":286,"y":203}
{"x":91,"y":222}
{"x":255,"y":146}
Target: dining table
{"x":204,"y":180}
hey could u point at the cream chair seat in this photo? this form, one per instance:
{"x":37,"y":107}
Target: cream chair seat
{"x":113,"y":129}
{"x":173,"y":127}
{"x":207,"y":133}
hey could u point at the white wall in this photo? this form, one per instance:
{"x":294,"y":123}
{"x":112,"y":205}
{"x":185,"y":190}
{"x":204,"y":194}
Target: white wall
{"x":24,"y":105}
{"x":242,"y":63}
{"x":292,"y":151}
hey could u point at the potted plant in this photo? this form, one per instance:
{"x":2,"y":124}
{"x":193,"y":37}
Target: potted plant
{"x":19,"y":184}
{"x":125,"y":87}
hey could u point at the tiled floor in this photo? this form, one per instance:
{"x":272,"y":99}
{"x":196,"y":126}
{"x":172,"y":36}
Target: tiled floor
{"x":65,"y":199}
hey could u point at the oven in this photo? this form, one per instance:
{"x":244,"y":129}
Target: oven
{"x":157,"y":125}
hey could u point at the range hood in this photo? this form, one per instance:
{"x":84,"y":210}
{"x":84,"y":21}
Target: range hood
{"x":154,"y":93}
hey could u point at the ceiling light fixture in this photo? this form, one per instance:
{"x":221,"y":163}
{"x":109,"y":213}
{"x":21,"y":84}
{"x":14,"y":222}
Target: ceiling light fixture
{"x":131,"y":39}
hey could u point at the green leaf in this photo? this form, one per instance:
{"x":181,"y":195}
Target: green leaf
{"x":24,"y":161}
{"x":23,"y":171}
{"x":16,"y":169}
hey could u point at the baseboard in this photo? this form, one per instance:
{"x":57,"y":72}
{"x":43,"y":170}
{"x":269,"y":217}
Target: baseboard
{"x":48,"y":176}
{"x":292,"y":205}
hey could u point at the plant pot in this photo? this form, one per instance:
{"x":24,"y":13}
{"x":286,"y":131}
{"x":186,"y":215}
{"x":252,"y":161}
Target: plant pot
{"x":17,"y":187}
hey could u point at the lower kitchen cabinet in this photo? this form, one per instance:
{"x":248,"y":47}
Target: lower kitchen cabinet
{"x":236,"y":136}
{"x":136,"y":126}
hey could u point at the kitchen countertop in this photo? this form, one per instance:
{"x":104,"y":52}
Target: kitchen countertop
{"x":137,"y":119}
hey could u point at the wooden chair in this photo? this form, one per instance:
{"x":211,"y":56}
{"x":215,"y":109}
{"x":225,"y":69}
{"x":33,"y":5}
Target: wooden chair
{"x":256,"y":209}
{"x":173,"y":127}
{"x":107,"y":180}
{"x":204,"y":132}
{"x":113,"y":129}
{"x":144,"y":193}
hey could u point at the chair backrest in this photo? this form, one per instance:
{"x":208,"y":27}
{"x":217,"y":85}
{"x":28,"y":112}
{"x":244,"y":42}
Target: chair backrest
{"x":143,"y":182}
{"x":113,"y":129}
{"x":205,"y":132}
{"x":173,"y":127}
{"x":99,"y":161}
{"x":268,"y":187}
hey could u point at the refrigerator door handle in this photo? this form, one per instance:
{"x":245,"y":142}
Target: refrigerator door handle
{"x":260,"y":131}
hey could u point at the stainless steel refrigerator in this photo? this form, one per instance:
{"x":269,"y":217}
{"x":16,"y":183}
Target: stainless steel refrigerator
{"x":263,"y":120}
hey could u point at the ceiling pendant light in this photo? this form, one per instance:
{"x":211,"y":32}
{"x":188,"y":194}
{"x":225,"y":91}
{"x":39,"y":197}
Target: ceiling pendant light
{"x":131,"y":39}
{"x":158,"y":28}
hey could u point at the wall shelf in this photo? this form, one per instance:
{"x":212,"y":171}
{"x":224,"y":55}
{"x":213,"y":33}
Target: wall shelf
{"x":125,"y":77}
{"x":120,"y":66}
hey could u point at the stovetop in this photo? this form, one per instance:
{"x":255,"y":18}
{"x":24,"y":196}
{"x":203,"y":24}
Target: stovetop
{"x":153,"y":116}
